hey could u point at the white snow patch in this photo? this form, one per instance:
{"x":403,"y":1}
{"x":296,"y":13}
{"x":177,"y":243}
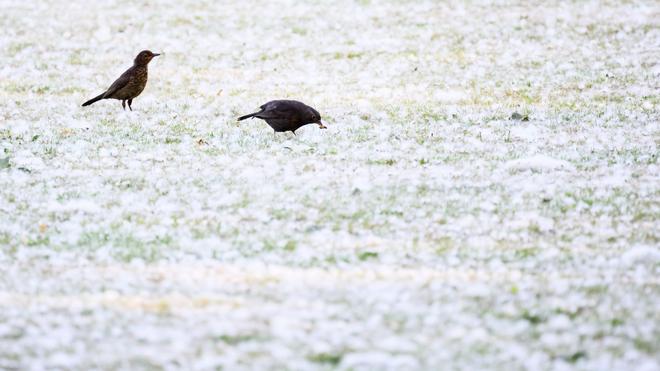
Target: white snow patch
{"x":538,"y":163}
{"x":641,"y":255}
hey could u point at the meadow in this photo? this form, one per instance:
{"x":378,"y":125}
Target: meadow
{"x":486,"y":195}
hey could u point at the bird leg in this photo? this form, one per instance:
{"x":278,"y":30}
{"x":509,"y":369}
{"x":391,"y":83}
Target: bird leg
{"x":130,"y":101}
{"x":123,"y":104}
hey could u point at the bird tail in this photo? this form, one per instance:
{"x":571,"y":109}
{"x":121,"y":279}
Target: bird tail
{"x":93,"y":100}
{"x":248,"y":116}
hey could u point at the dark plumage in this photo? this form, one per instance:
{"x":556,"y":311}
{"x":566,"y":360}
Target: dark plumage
{"x":287,"y":115}
{"x":130,"y":84}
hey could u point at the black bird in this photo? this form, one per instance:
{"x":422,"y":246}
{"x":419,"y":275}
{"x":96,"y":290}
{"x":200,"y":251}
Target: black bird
{"x":130,"y":84}
{"x":287,"y":115}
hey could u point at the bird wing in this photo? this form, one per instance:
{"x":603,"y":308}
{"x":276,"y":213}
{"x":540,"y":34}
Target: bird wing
{"x":277,"y":110}
{"x":121,"y":82}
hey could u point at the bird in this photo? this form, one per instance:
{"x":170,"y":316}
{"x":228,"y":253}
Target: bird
{"x":286,"y":115}
{"x":130,"y":84}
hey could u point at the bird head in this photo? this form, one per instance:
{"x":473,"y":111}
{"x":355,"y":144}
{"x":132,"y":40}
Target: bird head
{"x":145,"y":57}
{"x":315,"y":118}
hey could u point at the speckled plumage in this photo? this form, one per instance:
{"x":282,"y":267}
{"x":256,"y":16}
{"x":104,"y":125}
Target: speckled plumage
{"x":130,"y":84}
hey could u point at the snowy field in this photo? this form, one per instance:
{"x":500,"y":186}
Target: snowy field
{"x":424,"y":229}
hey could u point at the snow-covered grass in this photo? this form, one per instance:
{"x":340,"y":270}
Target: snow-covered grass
{"x":425,"y":229}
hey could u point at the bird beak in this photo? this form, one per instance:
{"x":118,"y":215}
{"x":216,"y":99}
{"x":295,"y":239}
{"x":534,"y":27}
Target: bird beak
{"x":321,"y":126}
{"x":155,"y":54}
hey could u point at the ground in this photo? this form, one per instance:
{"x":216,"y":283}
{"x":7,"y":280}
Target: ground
{"x":486,"y":195}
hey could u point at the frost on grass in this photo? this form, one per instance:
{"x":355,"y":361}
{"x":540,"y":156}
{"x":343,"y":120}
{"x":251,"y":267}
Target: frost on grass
{"x":487,"y":194}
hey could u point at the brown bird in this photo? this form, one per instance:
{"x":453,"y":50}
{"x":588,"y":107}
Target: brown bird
{"x":287,"y":115}
{"x":130,"y":84}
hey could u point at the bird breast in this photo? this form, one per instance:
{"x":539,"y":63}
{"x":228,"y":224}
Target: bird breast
{"x":135,"y":85}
